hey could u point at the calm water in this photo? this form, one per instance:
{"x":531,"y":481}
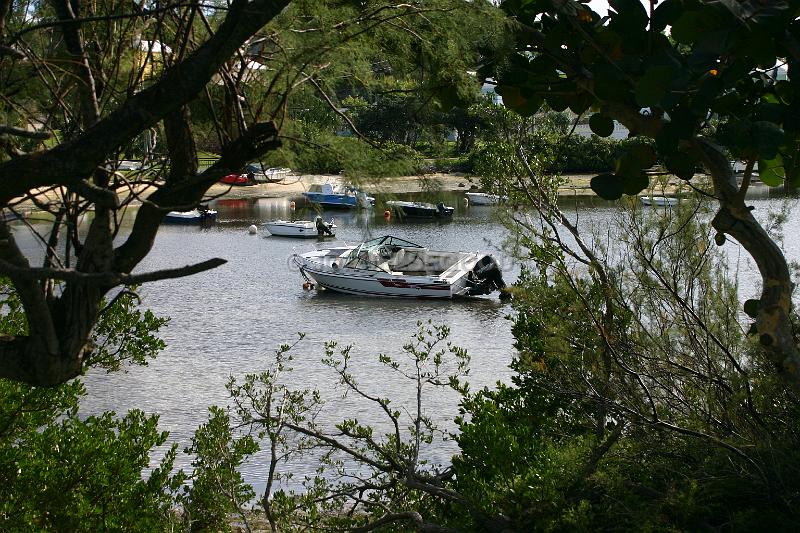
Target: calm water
{"x":228,"y":321}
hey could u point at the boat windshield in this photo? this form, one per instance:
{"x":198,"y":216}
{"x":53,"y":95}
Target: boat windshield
{"x":368,"y":254}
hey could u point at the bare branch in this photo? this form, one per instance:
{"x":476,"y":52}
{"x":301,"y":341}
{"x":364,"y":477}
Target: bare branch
{"x":105,"y":278}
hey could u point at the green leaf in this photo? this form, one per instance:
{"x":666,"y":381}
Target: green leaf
{"x":766,"y":139}
{"x":557,"y":103}
{"x":680,"y":165}
{"x":666,"y":14}
{"x":524,"y":104}
{"x":601,"y":125}
{"x":751,"y":308}
{"x":642,"y":155}
{"x":607,"y":186}
{"x":688,"y":27}
{"x":635,"y":183}
{"x":610,"y":88}
{"x":668,"y":138}
{"x":772,"y":171}
{"x":652,"y":87}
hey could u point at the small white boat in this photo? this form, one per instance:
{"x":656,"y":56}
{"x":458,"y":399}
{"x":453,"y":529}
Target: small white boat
{"x":393,"y":267}
{"x":299,"y":228}
{"x":659,"y":201}
{"x":193,"y":216}
{"x":482,"y":198}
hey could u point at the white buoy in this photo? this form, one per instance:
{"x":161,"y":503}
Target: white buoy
{"x":252,"y":230}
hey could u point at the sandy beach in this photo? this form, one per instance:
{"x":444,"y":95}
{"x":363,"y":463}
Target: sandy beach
{"x":295,"y":184}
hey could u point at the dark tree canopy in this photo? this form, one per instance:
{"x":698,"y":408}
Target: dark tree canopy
{"x":700,"y":78}
{"x":83,"y":83}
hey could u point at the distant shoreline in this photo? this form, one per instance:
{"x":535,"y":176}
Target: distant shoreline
{"x":295,"y":184}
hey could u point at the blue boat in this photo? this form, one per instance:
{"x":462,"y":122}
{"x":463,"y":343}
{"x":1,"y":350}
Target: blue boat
{"x":346,"y":196}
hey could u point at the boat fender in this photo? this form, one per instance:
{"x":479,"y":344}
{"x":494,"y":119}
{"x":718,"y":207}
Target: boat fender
{"x":252,"y":230}
{"x":335,"y":266}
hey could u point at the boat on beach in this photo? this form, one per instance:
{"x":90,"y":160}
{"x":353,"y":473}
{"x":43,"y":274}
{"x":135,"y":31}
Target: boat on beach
{"x":393,"y":267}
{"x":258,"y":174}
{"x":299,"y":228}
{"x":194,"y":216}
{"x":344,"y":196}
{"x":420,"y":209}
{"x":658,"y":201}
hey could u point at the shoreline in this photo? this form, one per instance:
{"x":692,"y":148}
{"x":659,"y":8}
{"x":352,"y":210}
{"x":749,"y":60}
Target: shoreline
{"x":295,"y":184}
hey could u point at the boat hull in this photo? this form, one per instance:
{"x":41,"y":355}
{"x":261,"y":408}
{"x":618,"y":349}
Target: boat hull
{"x":292,"y":229}
{"x":392,"y":267}
{"x":331,"y":200}
{"x":420,"y":210}
{"x":190,"y":217}
{"x":658,"y":201}
{"x":479,"y":198}
{"x":383,"y":285}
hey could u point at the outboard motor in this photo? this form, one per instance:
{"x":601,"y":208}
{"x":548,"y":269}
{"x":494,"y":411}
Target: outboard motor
{"x":486,"y":277}
{"x":322,"y":227}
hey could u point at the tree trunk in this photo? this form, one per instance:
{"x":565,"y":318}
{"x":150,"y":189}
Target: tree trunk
{"x":773,"y":320}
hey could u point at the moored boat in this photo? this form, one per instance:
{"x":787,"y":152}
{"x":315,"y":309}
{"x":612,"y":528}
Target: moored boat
{"x":420,"y":209}
{"x":659,"y":201}
{"x":393,"y":267}
{"x":482,"y":198}
{"x":345,"y":196}
{"x":299,"y":228}
{"x":194,"y":216}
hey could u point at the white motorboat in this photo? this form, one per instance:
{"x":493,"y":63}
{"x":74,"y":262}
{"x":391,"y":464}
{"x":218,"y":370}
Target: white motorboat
{"x":394,"y":267}
{"x":299,"y":228}
{"x":194,"y":216}
{"x":659,"y":201}
{"x":482,"y":198}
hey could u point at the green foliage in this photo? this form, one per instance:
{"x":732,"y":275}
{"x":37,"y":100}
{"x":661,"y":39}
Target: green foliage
{"x":64,"y":471}
{"x":317,"y":152}
{"x":360,"y":466}
{"x":543,"y":138}
{"x":124,"y":334}
{"x":683,"y":60}
{"x":217,"y":489}
{"x":637,"y":402}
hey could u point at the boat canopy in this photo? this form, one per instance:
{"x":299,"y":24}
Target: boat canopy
{"x":365,"y":255}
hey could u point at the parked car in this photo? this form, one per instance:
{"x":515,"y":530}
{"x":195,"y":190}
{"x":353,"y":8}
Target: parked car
{"x":235,"y":179}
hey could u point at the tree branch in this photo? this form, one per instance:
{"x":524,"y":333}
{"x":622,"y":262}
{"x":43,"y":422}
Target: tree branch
{"x":105,"y":278}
